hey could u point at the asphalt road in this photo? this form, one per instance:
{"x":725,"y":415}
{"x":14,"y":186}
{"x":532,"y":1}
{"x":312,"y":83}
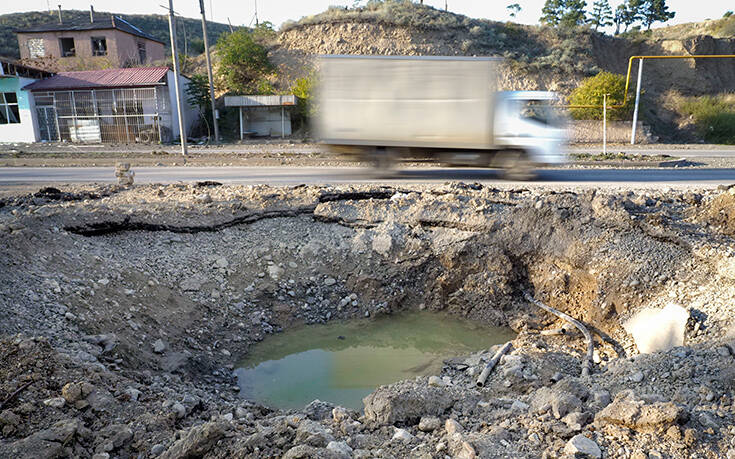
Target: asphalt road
{"x":656,"y":178}
{"x":695,"y":152}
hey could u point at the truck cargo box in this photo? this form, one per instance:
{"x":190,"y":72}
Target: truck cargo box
{"x":438,"y":102}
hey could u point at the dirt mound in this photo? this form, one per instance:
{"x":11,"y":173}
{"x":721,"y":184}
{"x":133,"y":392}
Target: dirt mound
{"x":125,"y":311}
{"x":720,"y":212}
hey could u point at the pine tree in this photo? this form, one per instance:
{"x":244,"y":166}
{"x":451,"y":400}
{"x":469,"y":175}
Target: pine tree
{"x":565,"y":13}
{"x":574,"y":13}
{"x":601,"y":15}
{"x":552,"y":12}
{"x":632,"y":11}
{"x":655,"y":11}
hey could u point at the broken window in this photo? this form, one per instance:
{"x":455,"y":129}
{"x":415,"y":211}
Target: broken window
{"x":36,"y":48}
{"x":67,"y":47}
{"x":9,"y":113}
{"x":141,"y":52}
{"x":99,"y":46}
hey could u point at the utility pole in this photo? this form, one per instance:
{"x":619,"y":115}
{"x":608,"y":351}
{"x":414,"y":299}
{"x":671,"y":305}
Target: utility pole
{"x":256,"y":12}
{"x":172,"y":33}
{"x":604,"y":123}
{"x":637,"y":101}
{"x":209,"y":72}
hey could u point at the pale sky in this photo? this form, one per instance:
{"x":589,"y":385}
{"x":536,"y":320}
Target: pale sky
{"x":241,"y":12}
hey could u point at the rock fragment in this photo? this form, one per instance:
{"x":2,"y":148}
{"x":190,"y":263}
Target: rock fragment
{"x":581,"y":446}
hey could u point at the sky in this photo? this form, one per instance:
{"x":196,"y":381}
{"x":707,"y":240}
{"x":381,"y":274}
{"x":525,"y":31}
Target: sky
{"x":241,"y":12}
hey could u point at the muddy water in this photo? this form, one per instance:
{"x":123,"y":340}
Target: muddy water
{"x":343,"y":362}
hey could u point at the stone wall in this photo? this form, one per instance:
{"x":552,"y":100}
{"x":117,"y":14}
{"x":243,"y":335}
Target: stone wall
{"x":590,"y":131}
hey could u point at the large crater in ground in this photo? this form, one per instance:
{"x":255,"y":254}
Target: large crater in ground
{"x":167,"y":287}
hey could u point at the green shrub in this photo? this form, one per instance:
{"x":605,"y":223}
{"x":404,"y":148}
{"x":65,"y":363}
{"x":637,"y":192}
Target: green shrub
{"x":591,"y":92}
{"x":713,"y":116}
{"x":244,"y":63}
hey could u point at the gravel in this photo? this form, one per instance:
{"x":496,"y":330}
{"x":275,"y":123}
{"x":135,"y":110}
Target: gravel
{"x":126,"y":308}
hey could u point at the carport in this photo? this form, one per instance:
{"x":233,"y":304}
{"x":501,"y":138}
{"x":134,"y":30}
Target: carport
{"x":263,"y":115}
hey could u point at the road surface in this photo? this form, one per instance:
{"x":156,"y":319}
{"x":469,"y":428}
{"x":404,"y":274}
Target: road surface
{"x":661,"y":177}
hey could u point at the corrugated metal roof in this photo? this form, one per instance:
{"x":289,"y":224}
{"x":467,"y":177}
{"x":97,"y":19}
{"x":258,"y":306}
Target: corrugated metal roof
{"x":100,"y":22}
{"x":98,"y":79}
{"x":259,"y":101}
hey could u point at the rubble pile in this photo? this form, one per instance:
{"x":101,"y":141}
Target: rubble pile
{"x":125,"y":309}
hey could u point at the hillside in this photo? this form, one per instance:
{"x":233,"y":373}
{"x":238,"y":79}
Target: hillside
{"x":189,"y":30}
{"x":537,"y":57}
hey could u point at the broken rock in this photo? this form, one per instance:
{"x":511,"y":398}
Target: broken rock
{"x":581,"y":446}
{"x":628,"y":411}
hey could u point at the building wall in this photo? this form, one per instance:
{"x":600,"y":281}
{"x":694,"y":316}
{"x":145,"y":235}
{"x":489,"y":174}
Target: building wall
{"x":122,"y":48}
{"x":26,"y":130}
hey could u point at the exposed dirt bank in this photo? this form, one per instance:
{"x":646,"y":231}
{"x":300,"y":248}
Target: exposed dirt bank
{"x":125,"y":310}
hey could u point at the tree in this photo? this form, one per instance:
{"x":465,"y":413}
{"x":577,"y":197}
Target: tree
{"x":618,"y":18}
{"x":601,"y":15}
{"x":564,"y":13}
{"x":244,"y":63}
{"x":631,"y":11}
{"x":513,"y":9}
{"x":655,"y":11}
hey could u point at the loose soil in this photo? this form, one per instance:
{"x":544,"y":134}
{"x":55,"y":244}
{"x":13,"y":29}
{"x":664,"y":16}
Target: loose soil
{"x":125,"y":309}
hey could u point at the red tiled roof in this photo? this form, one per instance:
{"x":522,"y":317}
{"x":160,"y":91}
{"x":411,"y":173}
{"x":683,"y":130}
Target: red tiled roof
{"x":99,"y":79}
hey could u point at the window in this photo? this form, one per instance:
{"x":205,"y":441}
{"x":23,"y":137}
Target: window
{"x":67,"y":47}
{"x":36,"y":48}
{"x":141,"y":52}
{"x":99,"y":46}
{"x":9,"y":108}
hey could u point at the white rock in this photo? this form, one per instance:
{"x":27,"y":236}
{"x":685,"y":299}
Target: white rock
{"x":429,"y":423}
{"x":403,"y":435}
{"x":275,"y":272}
{"x":133,"y":393}
{"x":329,"y":281}
{"x":453,"y":427}
{"x":637,"y":377}
{"x":658,"y":329}
{"x":436,"y":381}
{"x":221,"y":263}
{"x":580,"y":445}
{"x":518,"y":406}
{"x":178,"y":410}
{"x":159,"y":346}
{"x":341,"y":449}
{"x":56,"y":402}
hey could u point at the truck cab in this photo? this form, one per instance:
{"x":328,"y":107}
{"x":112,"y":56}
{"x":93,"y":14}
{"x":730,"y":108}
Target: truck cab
{"x":533,"y":123}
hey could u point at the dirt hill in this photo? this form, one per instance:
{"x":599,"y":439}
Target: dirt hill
{"x":537,"y":57}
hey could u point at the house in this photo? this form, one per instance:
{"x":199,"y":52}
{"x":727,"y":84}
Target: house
{"x":122,"y":105}
{"x":17,"y":111}
{"x":103,"y":41}
{"x":263,"y":115}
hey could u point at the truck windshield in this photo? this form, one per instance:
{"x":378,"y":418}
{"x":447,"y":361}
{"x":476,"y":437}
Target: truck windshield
{"x":542,"y":111}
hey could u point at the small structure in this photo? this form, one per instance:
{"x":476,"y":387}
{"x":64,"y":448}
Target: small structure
{"x":103,"y":41}
{"x":17,"y":119}
{"x":114,"y":105}
{"x":263,"y":115}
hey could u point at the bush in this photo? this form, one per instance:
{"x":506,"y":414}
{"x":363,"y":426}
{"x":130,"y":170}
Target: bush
{"x":591,"y":92}
{"x":304,"y":89}
{"x":714,"y":118}
{"x":244,"y":64}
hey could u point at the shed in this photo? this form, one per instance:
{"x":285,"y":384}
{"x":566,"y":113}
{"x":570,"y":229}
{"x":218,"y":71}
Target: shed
{"x":263,"y":115}
{"x":126,"y":105}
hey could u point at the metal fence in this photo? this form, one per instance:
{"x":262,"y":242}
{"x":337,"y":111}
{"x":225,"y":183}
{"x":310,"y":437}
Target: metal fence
{"x":108,"y":115}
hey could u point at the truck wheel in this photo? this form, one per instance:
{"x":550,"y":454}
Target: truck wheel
{"x":383,"y":159}
{"x":518,"y":167}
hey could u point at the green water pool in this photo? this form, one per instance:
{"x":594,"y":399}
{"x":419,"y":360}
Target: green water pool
{"x":342,"y":362}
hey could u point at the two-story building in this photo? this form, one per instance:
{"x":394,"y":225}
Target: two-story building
{"x":101,"y":42}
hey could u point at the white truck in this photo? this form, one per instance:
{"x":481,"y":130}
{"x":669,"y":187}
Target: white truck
{"x":445,"y":109}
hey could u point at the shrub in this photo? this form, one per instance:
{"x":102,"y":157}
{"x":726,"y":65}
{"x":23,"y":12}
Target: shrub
{"x":244,"y":63}
{"x":713,"y":116}
{"x":304,"y":89}
{"x":591,"y":92}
